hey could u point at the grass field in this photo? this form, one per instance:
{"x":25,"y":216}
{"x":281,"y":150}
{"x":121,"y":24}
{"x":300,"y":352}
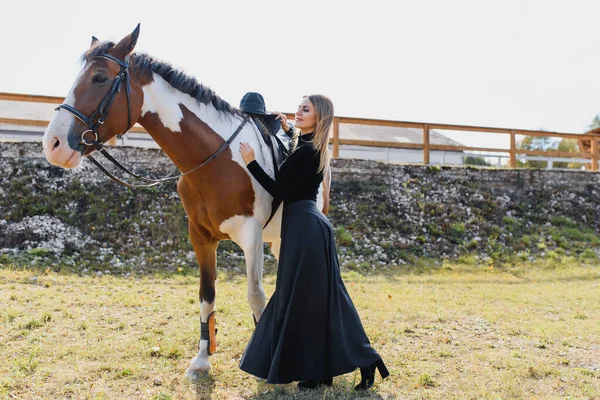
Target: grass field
{"x":460,"y":332}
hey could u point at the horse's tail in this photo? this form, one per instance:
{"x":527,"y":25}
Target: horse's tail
{"x":326,"y":188}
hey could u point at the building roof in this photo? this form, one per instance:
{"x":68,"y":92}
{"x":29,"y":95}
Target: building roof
{"x":393,"y":134}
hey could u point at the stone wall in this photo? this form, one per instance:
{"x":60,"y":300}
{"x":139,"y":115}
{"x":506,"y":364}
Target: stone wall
{"x":385,"y":214}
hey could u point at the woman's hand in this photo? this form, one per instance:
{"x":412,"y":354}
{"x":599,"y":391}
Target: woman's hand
{"x":283,"y":118}
{"x":247,"y":152}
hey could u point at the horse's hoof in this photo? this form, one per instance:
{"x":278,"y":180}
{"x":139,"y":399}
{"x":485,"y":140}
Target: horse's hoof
{"x":195,"y":374}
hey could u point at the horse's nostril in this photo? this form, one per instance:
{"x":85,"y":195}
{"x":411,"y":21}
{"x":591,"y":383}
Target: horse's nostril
{"x":56,"y":143}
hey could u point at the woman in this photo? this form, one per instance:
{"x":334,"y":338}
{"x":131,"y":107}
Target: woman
{"x":310,"y":330}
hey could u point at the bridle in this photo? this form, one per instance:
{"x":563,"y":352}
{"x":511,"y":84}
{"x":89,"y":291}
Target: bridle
{"x":98,"y":117}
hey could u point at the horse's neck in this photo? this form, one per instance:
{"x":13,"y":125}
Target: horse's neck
{"x":188,"y":131}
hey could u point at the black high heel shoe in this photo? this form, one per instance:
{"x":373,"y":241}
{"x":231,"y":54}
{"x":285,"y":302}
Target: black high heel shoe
{"x":314,"y":383}
{"x":368,"y":375}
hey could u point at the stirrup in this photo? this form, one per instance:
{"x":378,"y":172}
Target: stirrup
{"x":209,"y":332}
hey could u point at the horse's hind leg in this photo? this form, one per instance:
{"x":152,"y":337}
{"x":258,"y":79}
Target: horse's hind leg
{"x":275,"y":246}
{"x":206,"y":253}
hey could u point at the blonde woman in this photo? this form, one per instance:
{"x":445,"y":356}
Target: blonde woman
{"x":310,"y":330}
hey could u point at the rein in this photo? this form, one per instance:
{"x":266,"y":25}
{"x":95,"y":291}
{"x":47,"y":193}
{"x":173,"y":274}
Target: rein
{"x":98,"y":117}
{"x":166,"y":178}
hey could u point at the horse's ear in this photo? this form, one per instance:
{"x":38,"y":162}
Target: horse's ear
{"x":127,"y":44}
{"x":94,"y":41}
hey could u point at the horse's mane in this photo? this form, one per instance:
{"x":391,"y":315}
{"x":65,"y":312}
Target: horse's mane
{"x":176,"y":78}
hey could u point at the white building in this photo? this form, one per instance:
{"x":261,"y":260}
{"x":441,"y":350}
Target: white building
{"x":400,"y":135}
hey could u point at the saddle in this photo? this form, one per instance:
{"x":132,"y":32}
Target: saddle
{"x":278,"y":141}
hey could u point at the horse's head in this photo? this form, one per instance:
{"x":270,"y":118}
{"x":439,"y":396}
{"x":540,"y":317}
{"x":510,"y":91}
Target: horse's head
{"x":104,"y":101}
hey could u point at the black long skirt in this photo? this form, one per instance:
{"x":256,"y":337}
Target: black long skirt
{"x":310,"y":328}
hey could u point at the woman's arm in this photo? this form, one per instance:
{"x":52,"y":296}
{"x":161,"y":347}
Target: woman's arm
{"x":297,"y":167}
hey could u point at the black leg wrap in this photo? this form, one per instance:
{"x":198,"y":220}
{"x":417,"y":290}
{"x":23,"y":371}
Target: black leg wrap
{"x":204,"y":334}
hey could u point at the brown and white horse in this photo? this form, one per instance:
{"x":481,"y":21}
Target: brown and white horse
{"x":190,"y":123}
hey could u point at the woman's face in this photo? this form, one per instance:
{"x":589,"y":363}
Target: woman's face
{"x":306,"y":119}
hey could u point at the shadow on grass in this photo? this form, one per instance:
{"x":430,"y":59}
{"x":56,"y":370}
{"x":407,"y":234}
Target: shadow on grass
{"x":290,"y":392}
{"x":204,"y":386}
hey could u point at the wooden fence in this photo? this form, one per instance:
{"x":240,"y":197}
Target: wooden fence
{"x":588,"y":142}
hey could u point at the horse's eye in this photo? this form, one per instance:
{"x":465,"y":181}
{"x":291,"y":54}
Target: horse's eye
{"x":99,"y":78}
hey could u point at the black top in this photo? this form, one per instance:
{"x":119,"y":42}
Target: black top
{"x":298,"y":177}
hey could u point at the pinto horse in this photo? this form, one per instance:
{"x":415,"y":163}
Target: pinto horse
{"x":200,"y":133}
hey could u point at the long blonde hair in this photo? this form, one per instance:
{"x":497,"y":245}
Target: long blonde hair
{"x":324,"y":116}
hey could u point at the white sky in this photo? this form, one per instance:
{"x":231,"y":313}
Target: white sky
{"x":517,"y":64}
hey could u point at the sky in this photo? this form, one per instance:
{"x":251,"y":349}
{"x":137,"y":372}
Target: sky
{"x":523,"y":64}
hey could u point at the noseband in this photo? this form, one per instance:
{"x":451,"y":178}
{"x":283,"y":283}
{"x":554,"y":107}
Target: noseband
{"x":98,"y":117}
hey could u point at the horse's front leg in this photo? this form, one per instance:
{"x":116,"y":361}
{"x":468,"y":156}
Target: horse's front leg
{"x":251,"y":242}
{"x":206,"y":253}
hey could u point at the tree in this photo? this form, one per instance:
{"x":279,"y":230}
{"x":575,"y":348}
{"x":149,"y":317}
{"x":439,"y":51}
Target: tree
{"x":547,"y":144}
{"x":595,"y":123}
{"x":477,"y":161}
{"x":568,"y":146}
{"x":534,"y":143}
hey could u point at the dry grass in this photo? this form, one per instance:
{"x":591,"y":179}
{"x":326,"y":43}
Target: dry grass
{"x":532,"y":332}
